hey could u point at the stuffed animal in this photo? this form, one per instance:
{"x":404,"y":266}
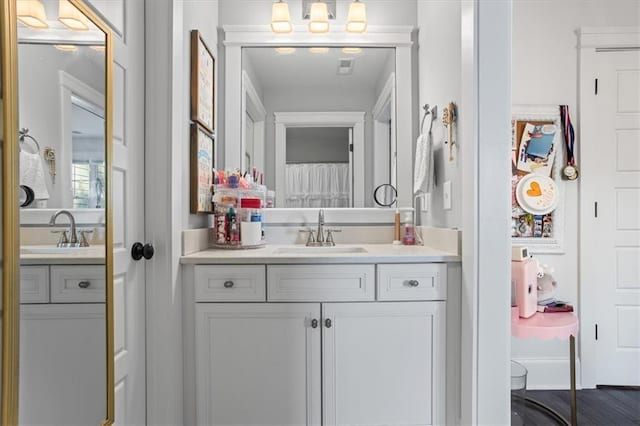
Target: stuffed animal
{"x":546,"y":284}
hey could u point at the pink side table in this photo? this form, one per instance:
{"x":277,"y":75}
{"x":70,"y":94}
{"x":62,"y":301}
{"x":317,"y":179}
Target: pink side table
{"x":557,"y":325}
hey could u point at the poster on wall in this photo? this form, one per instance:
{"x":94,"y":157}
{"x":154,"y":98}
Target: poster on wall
{"x":202,"y":82}
{"x":536,"y":201}
{"x":202,"y":144}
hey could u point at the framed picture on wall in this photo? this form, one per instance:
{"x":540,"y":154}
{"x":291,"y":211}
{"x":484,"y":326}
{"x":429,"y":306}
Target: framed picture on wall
{"x":202,"y":82}
{"x":537,"y":202}
{"x":202,"y":149}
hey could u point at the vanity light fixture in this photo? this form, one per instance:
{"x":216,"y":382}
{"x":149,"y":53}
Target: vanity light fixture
{"x":280,"y":18}
{"x":352,"y":50}
{"x":285,"y":50}
{"x":70,"y":16}
{"x":66,"y":47}
{"x":319,"y":50}
{"x":357,"y":18}
{"x":319,"y":18}
{"x":32,"y":14}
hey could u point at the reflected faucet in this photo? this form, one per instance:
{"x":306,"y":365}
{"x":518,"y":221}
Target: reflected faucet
{"x":73,"y":241}
{"x":320,"y":232}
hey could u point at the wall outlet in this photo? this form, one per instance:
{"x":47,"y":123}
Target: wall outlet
{"x":446,"y":195}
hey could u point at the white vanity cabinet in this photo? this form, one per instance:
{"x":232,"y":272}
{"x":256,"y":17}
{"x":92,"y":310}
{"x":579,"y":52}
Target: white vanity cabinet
{"x":327,"y":345}
{"x":58,"y":338}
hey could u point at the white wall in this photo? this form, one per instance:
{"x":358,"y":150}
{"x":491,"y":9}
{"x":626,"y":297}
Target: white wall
{"x":545,"y":71}
{"x":201,"y":15}
{"x":439,"y":69}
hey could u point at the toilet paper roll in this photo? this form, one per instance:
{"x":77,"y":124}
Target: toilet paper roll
{"x":251,"y":233}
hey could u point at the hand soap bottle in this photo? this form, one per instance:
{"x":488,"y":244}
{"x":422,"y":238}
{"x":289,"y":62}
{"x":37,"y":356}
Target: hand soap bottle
{"x":409,"y":238}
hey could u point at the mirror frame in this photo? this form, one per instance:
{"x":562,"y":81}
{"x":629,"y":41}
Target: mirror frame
{"x":10,"y":216}
{"x":399,"y":37}
{"x":11,"y":247}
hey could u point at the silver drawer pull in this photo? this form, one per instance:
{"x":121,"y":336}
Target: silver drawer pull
{"x":228,"y":284}
{"x":84,"y":284}
{"x":414,"y":283}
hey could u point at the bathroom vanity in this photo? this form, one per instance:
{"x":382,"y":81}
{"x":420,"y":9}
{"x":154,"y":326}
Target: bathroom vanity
{"x":62,"y":338}
{"x":295,"y":335}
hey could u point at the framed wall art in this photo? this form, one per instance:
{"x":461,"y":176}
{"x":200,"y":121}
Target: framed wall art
{"x":202,"y":149}
{"x":537,"y":203}
{"x":202,"y":82}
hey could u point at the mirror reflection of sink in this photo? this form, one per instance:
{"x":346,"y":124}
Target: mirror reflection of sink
{"x":51,"y":250}
{"x":318,"y":250}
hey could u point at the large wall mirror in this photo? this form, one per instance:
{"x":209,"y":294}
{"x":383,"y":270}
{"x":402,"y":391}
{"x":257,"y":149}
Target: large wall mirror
{"x":328,"y":119}
{"x":320,"y":122}
{"x":66,"y":327}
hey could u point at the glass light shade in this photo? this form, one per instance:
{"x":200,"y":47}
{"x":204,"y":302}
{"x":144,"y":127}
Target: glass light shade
{"x":66,"y":47}
{"x":357,"y":19}
{"x":285,"y":50}
{"x":352,"y":50}
{"x":70,"y":16}
{"x":280,"y":18}
{"x":319,"y":18}
{"x":319,"y":50}
{"x":31,"y":13}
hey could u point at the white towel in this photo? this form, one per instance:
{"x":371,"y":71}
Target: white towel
{"x":423,"y":178}
{"x":32,"y":174}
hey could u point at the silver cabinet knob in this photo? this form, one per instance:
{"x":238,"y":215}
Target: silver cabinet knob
{"x":314,"y":323}
{"x":84,"y":284}
{"x":228,"y":284}
{"x":413,"y":283}
{"x":327,"y":323}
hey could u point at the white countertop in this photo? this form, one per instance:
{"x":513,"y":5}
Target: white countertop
{"x":272,"y":254}
{"x":83,"y":256}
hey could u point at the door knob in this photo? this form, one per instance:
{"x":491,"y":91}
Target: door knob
{"x":138,"y":251}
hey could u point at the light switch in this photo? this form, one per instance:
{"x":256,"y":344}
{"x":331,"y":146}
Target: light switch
{"x":446,"y":195}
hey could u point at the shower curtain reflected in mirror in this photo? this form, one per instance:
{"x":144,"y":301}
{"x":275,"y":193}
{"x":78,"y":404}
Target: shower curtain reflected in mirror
{"x":318,"y":185}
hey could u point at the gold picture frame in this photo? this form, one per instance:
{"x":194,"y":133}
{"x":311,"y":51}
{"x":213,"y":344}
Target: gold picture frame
{"x":202,"y":160}
{"x":202,"y":82}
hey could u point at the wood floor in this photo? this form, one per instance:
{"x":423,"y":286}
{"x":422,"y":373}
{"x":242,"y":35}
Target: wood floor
{"x":596,"y":407}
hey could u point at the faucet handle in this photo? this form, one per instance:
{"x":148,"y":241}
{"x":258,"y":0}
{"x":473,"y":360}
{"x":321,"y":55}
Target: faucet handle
{"x":311,"y":239}
{"x":84,"y":242}
{"x":330,"y":233}
{"x":64,"y":237}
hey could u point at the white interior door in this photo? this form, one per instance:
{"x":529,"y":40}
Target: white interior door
{"x":128,"y":208}
{"x":611,"y":228}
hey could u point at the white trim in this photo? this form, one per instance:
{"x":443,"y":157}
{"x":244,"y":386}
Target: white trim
{"x":386,"y":95}
{"x":309,"y":216}
{"x":590,"y":40}
{"x":41,"y":217}
{"x":549,"y":373}
{"x":547,"y":113}
{"x":321,"y":119}
{"x":252,"y":105}
{"x":387,"y":98}
{"x":400,"y":38}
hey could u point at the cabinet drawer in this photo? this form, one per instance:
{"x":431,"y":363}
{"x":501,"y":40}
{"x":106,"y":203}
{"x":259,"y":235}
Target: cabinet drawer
{"x":78,"y":284}
{"x":412,"y":282}
{"x":215,"y":283}
{"x":320,"y":283}
{"x":34,"y":284}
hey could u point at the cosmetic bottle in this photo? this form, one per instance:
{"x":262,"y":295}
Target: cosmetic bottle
{"x":409,"y":238}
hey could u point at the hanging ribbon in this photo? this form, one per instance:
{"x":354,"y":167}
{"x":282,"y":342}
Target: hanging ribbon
{"x":570,"y":171}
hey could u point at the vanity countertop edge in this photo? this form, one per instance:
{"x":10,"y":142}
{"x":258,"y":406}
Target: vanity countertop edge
{"x":375,"y":253}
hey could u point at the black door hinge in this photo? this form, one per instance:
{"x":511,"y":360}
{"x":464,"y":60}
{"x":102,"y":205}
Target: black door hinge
{"x":596,"y":331}
{"x":596,"y":86}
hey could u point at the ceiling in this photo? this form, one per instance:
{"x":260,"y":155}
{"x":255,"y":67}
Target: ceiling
{"x":306,"y":69}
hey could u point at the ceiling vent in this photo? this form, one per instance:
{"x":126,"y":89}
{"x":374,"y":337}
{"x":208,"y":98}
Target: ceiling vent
{"x":345,"y":66}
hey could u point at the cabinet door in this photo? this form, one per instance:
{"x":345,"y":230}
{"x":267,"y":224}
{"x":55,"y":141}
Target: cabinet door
{"x":258,"y":364}
{"x":62,"y":358}
{"x":383,"y":363}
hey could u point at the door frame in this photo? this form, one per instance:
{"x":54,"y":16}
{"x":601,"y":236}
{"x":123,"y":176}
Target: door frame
{"x":386,"y":99}
{"x":591,"y":40}
{"x":355,"y":120}
{"x":252,"y":105}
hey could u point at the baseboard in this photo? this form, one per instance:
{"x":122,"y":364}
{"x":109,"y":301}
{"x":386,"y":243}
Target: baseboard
{"x":549,"y":374}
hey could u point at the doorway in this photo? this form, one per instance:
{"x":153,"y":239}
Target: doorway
{"x":610,"y":206}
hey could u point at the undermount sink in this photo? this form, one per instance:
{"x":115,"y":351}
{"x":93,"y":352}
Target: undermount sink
{"x":318,"y":250}
{"x":51,"y":250}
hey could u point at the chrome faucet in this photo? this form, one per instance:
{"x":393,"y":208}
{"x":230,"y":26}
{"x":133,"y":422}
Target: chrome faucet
{"x":73,"y":241}
{"x":320,"y":232}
